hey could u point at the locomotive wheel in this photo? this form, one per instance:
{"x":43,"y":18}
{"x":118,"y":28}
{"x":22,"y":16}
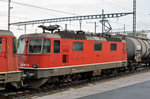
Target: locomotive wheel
{"x":104,"y":74}
{"x":115,"y":72}
{"x":67,"y":78}
{"x":76,"y":77}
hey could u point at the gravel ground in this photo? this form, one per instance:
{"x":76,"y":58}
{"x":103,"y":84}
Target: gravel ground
{"x":99,"y":87}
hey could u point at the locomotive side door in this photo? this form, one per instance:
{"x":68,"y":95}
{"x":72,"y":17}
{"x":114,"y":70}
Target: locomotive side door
{"x":65,"y":54}
{"x":56,"y":56}
{"x":3,"y":55}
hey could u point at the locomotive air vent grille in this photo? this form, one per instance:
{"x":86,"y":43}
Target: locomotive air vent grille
{"x":70,"y":35}
{"x":113,"y":39}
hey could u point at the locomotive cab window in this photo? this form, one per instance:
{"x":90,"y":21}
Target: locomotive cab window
{"x":97,"y":46}
{"x":56,"y":46}
{"x":77,"y":46}
{"x":35,"y":46}
{"x":113,"y":47}
{"x":0,"y":45}
{"x":46,"y":46}
{"x":14,"y":45}
{"x":21,"y":46}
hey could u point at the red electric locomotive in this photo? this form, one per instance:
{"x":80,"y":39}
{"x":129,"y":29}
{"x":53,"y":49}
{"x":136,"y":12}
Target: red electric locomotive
{"x":44,"y":56}
{"x":9,"y":70}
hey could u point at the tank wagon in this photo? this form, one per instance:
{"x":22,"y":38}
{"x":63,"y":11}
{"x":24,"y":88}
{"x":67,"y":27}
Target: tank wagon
{"x":9,"y":70}
{"x":65,"y":54}
{"x":138,"y":50}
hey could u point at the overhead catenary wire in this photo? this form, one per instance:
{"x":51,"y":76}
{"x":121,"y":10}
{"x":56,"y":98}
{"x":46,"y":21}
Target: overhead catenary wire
{"x":125,"y":8}
{"x":38,"y":7}
{"x":43,"y":8}
{"x":17,"y":17}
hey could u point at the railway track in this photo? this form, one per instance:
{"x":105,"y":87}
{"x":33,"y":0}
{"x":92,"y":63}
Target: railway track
{"x":51,"y":89}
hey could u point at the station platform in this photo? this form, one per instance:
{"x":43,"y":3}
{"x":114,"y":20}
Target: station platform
{"x":137,"y":91}
{"x":136,"y":86}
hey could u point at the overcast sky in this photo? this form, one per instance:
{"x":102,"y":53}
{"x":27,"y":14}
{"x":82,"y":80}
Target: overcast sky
{"x":73,"y":8}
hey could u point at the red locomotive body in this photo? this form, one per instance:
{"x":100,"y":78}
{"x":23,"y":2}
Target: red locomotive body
{"x":66,"y":56}
{"x":9,"y":70}
{"x":46,"y":55}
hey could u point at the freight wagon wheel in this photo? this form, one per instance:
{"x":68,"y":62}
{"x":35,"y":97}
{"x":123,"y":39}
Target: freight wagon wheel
{"x":130,"y":68}
{"x":135,"y":68}
{"x":149,"y":63}
{"x":125,"y":69}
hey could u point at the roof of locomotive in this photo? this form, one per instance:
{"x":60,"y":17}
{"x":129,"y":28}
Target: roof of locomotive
{"x":70,"y":35}
{"x":6,"y":32}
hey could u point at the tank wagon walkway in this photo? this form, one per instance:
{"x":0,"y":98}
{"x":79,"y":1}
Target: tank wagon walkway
{"x":131,"y":87}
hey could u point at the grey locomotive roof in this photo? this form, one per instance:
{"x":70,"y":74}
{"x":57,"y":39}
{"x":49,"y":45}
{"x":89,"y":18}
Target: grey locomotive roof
{"x":95,"y":38}
{"x":40,"y":35}
{"x":5,"y":32}
{"x":70,"y":36}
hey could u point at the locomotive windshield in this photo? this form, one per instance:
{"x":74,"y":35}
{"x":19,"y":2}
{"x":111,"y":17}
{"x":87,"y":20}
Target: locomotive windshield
{"x":47,"y":46}
{"x":0,"y":44}
{"x":21,"y":46}
{"x":35,"y":46}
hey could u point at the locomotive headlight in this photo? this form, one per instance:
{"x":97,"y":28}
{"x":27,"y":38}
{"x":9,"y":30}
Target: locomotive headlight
{"x":35,"y":65}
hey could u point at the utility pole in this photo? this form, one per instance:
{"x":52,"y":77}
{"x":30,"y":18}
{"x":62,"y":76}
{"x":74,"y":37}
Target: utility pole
{"x":134,"y":18}
{"x":95,"y":27}
{"x":9,"y":1}
{"x":124,"y":29}
{"x":65,"y":26}
{"x":102,"y":21}
{"x":80,"y":22}
{"x":106,"y":27}
{"x":25,"y":29}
